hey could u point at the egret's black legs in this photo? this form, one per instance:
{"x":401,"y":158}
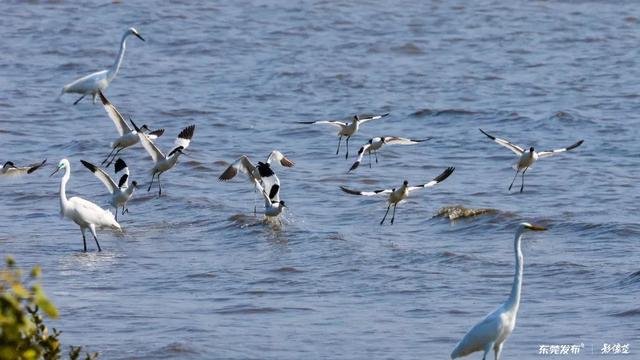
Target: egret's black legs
{"x":96,"y":239}
{"x":514,"y":179}
{"x":84,"y":240}
{"x":76,"y":103}
{"x":339,"y":141}
{"x":385,"y":214}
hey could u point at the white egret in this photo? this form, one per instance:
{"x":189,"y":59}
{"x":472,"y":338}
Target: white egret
{"x":347,"y":129}
{"x":128,"y":136}
{"x":120,"y":192}
{"x":10,"y":169}
{"x":529,"y":157}
{"x":262,"y":173}
{"x":374,"y":144}
{"x":164,"y":162}
{"x":97,"y":81}
{"x":492,"y":332}
{"x":84,"y":213}
{"x":397,"y":195}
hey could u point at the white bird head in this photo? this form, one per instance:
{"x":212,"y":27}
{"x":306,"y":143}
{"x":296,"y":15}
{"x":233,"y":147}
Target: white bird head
{"x":133,"y":31}
{"x":64,"y":163}
{"x":527,"y":226}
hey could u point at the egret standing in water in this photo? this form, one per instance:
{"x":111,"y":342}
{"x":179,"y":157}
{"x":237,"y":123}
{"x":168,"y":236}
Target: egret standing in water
{"x":529,"y":157}
{"x":347,"y":129}
{"x":492,"y":332}
{"x":97,"y":81}
{"x":82,"y":212}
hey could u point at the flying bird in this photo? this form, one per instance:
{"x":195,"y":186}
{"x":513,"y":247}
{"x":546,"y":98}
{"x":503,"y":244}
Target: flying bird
{"x":97,"y":81}
{"x":374,"y":144}
{"x":164,"y":162}
{"x":84,"y":213}
{"x":528,"y":157}
{"x":261,"y":174}
{"x":120,"y":192}
{"x":397,"y":195}
{"x":347,"y":129}
{"x":128,"y":136}
{"x":493,"y":331}
{"x":10,"y":169}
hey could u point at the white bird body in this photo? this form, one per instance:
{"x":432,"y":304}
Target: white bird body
{"x":401,"y":193}
{"x":527,"y":157}
{"x":9,"y":169}
{"x":98,"y":81}
{"x":161,"y":161}
{"x":347,"y":129}
{"x":495,"y":328}
{"x":82,"y":212}
{"x":128,"y":136}
{"x":374,"y":144}
{"x":272,"y":207}
{"x":120,"y":192}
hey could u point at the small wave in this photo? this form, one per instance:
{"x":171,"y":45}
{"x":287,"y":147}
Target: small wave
{"x":458,"y":211}
{"x":632,"y":279}
{"x":287,"y":269}
{"x":434,"y":112}
{"x":409,"y":49}
{"x":244,"y":309}
{"x":633,"y":312}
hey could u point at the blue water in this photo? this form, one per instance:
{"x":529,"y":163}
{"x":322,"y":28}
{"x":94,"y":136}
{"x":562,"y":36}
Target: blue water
{"x":196,"y":275}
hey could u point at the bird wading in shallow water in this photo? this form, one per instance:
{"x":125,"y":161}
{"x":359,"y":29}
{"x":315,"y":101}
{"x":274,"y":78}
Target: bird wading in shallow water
{"x":493,"y":331}
{"x":397,"y":195}
{"x":164,"y":162}
{"x":82,"y":212}
{"x":528,"y":157}
{"x":347,"y":129}
{"x":98,"y":81}
{"x":120,"y":192}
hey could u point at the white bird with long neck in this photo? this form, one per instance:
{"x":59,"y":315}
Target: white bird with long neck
{"x":164,"y":162}
{"x":529,"y":157}
{"x":120,"y":192}
{"x":347,"y":129}
{"x":128,"y":136}
{"x":493,"y":331}
{"x":98,"y":81}
{"x":84,"y":213}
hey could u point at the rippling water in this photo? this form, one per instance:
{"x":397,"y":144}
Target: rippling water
{"x":196,"y":275}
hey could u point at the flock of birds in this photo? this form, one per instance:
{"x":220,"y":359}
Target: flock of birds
{"x":489,"y":334}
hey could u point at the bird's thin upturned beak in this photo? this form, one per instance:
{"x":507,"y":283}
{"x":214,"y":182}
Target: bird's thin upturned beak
{"x":139,"y":36}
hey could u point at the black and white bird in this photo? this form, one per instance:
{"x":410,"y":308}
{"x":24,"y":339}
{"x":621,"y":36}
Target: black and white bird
{"x":10,"y":169}
{"x":374,"y":144}
{"x":120,"y":192}
{"x":347,"y":129}
{"x":527,"y":157}
{"x":164,"y":162}
{"x":128,"y":136}
{"x":261,"y":175}
{"x":397,"y":195}
{"x":273,"y":206}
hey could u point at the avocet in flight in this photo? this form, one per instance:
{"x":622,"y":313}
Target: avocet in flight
{"x":128,"y":136}
{"x":347,"y":129}
{"x":10,"y":169}
{"x":120,"y":192}
{"x":97,"y":81}
{"x":374,"y":144}
{"x":164,"y":162}
{"x":527,"y":157}
{"x":82,"y":212}
{"x":401,"y":193}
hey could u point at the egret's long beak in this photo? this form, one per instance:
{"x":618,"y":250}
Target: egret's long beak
{"x":54,"y":172}
{"x":536,"y":228}
{"x":139,"y":36}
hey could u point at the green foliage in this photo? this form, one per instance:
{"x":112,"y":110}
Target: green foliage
{"x":23,"y":334}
